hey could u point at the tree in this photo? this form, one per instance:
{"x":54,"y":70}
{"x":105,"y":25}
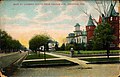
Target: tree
{"x":103,"y":36}
{"x":56,"y":46}
{"x":62,"y":47}
{"x":7,"y":43}
{"x":37,"y":41}
{"x":89,"y":45}
{"x":101,"y":6}
{"x":69,"y":46}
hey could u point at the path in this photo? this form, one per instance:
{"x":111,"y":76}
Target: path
{"x":43,"y":59}
{"x":94,"y":56}
{"x":98,"y":57}
{"x":75,"y":60}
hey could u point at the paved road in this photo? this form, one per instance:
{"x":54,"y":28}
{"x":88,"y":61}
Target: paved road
{"x":5,"y":54}
{"x":98,"y":70}
{"x":8,"y":59}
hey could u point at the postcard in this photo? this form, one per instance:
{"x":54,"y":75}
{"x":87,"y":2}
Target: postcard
{"x":59,"y":38}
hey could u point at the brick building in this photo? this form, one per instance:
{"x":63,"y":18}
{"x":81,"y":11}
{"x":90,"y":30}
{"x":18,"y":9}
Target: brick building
{"x":113,"y":19}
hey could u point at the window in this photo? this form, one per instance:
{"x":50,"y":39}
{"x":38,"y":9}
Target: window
{"x":89,"y":27}
{"x":111,"y":18}
{"x":83,"y":37}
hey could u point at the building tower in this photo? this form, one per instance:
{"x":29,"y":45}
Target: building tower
{"x":78,"y":33}
{"x":90,"y":29}
{"x":113,"y":20}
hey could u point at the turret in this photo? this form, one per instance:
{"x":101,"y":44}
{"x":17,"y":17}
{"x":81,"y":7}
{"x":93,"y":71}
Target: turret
{"x":90,"y":29}
{"x":113,"y":19}
{"x":77,"y":27}
{"x":77,"y":30}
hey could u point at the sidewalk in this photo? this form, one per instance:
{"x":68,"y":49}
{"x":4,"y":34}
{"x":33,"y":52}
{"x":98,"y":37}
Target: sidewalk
{"x":43,"y":59}
{"x":82,"y":57}
{"x":97,"y":57}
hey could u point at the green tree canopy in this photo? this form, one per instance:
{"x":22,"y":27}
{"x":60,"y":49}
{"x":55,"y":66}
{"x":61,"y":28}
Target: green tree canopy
{"x":37,"y":41}
{"x":62,"y":47}
{"x":56,"y":46}
{"x":103,"y":36}
{"x":8,"y":43}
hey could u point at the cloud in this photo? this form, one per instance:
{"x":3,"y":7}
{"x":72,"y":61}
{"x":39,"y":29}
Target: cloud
{"x":69,"y":13}
{"x":20,"y":16}
{"x":24,"y":33}
{"x":57,"y":21}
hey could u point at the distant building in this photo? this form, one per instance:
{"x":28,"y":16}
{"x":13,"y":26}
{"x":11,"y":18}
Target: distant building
{"x":78,"y":36}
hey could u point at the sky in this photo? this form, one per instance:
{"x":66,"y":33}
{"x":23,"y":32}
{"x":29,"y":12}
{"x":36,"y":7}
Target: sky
{"x":25,"y":19}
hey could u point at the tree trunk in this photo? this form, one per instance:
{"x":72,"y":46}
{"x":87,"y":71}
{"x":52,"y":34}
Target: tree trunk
{"x":108,"y":50}
{"x":39,"y":53}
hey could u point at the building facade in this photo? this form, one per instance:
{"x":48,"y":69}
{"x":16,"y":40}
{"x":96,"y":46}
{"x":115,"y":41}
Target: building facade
{"x":90,"y":29}
{"x":78,"y":36}
{"x":113,"y":19}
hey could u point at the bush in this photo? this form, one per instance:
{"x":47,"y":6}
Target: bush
{"x":68,"y":46}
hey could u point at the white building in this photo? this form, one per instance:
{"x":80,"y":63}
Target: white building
{"x":78,"y":36}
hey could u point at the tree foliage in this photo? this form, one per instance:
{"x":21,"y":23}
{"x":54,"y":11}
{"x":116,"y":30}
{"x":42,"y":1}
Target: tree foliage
{"x":103,"y":37}
{"x":7,"y":43}
{"x":37,"y":41}
{"x":62,"y":47}
{"x":69,"y":46}
{"x":56,"y":46}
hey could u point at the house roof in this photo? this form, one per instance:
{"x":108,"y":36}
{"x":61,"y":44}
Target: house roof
{"x":90,"y":21}
{"x":112,"y":11}
{"x":71,"y":35}
{"x":77,"y":24}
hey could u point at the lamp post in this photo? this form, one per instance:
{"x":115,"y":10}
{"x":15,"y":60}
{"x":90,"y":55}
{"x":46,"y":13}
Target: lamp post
{"x":44,"y":53}
{"x":46,"y":48}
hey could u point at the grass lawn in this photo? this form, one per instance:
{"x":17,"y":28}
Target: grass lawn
{"x":47,"y":63}
{"x":111,"y":59}
{"x":89,"y":52}
{"x":37,"y":56}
